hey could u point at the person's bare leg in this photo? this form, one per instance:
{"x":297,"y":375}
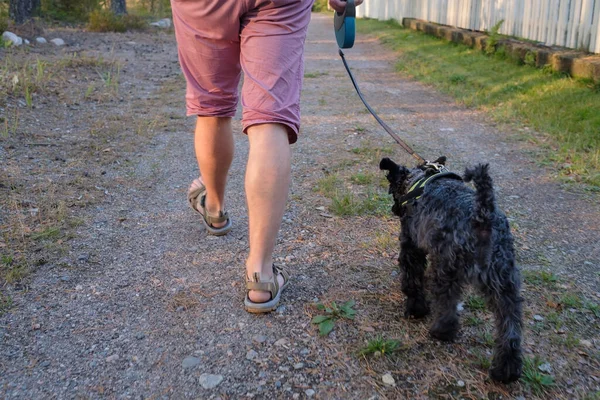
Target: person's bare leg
{"x":267,"y":184}
{"x":213,"y":142}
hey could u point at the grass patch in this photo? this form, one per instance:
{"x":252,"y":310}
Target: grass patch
{"x":380,"y":346}
{"x":540,"y":277}
{"x":362,"y":178}
{"x":537,"y":381}
{"x":315,"y":74}
{"x":5,"y":303}
{"x":475,"y":303}
{"x":566,"y":109}
{"x":345,"y":203}
{"x":571,"y":300}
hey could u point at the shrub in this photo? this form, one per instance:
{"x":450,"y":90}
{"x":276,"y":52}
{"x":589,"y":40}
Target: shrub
{"x":106,"y":21}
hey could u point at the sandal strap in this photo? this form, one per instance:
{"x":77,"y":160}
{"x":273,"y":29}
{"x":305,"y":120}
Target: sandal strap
{"x":269,"y":285}
{"x":212,"y":219}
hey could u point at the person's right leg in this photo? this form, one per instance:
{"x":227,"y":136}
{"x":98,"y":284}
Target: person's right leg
{"x":213,"y":143}
{"x":267,"y":185}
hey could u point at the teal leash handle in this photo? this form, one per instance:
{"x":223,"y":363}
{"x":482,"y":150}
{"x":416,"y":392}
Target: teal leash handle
{"x":345,"y":26}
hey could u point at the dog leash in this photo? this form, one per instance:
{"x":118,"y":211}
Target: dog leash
{"x":344,"y":27}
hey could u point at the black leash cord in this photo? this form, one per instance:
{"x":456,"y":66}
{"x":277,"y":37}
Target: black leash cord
{"x":389,"y":130}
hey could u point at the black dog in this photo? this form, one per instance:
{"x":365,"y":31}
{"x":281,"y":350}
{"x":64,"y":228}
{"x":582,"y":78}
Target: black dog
{"x":465,"y":239}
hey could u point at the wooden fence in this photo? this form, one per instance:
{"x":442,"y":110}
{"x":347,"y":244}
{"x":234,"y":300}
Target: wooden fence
{"x":569,"y":23}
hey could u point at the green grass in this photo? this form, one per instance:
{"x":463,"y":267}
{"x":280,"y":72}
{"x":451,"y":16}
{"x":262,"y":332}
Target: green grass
{"x":540,"y":277}
{"x":384,"y":347}
{"x":5,"y":303}
{"x":475,"y":303}
{"x":12,"y":271}
{"x":571,"y":300}
{"x":362,"y":178}
{"x":568,"y":110}
{"x":537,"y":381}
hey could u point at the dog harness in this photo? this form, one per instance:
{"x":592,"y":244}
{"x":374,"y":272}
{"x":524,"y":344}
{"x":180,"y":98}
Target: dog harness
{"x":417,"y":189}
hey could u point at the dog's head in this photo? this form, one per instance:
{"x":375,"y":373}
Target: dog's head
{"x":397,"y":176}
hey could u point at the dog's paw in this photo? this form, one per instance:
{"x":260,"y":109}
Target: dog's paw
{"x":416,"y":308}
{"x":507,"y":372}
{"x":445,"y":329}
{"x":507,"y":366}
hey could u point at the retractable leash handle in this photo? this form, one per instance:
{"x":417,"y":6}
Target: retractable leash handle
{"x":345,"y":25}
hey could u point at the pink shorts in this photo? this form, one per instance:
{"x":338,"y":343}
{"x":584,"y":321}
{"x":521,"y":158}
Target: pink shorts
{"x":219,"y":38}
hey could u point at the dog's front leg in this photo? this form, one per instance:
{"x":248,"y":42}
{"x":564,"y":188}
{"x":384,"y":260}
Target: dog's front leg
{"x":412,"y":269}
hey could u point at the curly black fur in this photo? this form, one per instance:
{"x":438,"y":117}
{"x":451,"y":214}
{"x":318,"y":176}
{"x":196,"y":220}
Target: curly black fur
{"x":466,"y":239}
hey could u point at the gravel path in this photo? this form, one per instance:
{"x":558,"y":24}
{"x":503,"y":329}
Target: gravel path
{"x":151,"y":307}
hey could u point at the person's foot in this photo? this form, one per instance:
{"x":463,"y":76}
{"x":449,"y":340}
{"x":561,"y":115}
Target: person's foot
{"x":199,"y":202}
{"x":259,"y":296}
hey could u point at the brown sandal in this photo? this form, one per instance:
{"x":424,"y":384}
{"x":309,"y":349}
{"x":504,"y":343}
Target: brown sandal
{"x":197,"y":200}
{"x":266,"y":285}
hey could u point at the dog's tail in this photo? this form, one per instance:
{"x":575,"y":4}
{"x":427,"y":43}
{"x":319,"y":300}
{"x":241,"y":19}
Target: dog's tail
{"x":485,"y":207}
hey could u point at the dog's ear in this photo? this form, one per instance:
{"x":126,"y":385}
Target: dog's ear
{"x":388,"y":165}
{"x":441,"y":160}
{"x":396,"y":175}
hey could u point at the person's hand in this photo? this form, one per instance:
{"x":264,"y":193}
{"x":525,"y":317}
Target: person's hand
{"x":340,"y":6}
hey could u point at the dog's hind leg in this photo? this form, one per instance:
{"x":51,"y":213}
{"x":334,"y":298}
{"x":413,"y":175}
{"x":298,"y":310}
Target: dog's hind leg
{"x":412,"y":269}
{"x":448,"y":284}
{"x":501,"y":285}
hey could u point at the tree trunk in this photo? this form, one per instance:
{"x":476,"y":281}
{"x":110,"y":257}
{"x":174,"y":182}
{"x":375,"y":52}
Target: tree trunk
{"x":118,"y":7}
{"x":23,"y":10}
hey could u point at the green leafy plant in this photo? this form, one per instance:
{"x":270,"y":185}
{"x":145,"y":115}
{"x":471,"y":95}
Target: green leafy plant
{"x":333,"y":312}
{"x":537,"y":381}
{"x":380,"y":345}
{"x":493,"y":38}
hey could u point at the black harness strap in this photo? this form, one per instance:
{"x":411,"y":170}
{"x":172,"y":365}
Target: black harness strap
{"x":417,"y":189}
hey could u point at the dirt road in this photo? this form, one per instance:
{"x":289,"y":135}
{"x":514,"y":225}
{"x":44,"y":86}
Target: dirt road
{"x":138,"y":302}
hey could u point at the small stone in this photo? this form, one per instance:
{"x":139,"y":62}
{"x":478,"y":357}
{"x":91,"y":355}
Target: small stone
{"x":45,"y":364}
{"x":259,"y":339}
{"x":304,"y":351}
{"x":190,"y":362}
{"x":83,"y":257}
{"x":309,"y":393}
{"x":278,"y":384}
{"x":262,"y":374}
{"x":251,"y":355}
{"x":163,"y":23}
{"x":180,"y":309}
{"x":229,"y":353}
{"x":585,"y":343}
{"x":296,"y":396}
{"x":78,"y":287}
{"x":299,"y":365}
{"x":41,"y":40}
{"x":113,"y":358}
{"x":460,"y":307}
{"x":140,"y":335}
{"x":65,"y":278}
{"x":12,"y":38}
{"x":538,"y":317}
{"x":460,"y":384}
{"x":388,"y":379}
{"x":209,"y":381}
{"x":26,"y":41}
{"x":281,"y":342}
{"x":545,"y":367}
{"x":280,"y":309}
{"x":36,"y":327}
{"x":284,"y":369}
{"x":57,"y":42}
